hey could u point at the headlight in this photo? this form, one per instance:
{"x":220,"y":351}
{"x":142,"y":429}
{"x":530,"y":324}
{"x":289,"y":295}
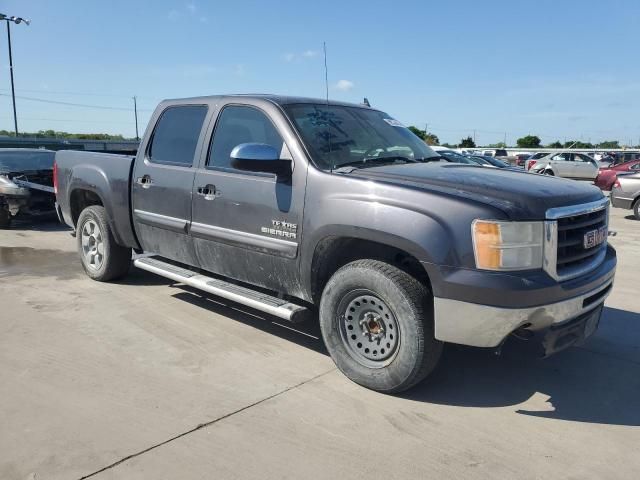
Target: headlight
{"x":500,"y":245}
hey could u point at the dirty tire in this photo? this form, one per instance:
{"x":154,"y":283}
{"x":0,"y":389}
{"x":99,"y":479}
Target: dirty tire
{"x":409,"y":303}
{"x":636,"y":209}
{"x":5,"y":218}
{"x":115,"y":259}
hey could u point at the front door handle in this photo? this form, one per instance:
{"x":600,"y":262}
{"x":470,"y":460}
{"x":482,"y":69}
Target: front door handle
{"x":209,"y":192}
{"x":145,"y":181}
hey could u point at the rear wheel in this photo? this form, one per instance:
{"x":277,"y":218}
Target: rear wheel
{"x":377,"y":324}
{"x":102,"y":258}
{"x":5,"y":217}
{"x":636,"y":209}
{"x":549,"y":172}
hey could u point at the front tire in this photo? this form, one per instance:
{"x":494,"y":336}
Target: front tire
{"x":636,"y":209}
{"x":102,"y":258}
{"x":377,"y":323}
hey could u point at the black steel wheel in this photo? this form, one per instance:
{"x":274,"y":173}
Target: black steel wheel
{"x":377,"y":323}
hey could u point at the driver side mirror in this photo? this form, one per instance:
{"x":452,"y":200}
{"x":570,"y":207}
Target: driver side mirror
{"x":259,"y":157}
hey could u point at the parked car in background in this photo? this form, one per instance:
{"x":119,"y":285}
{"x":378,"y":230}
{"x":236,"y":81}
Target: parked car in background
{"x":453,"y":156}
{"x":626,"y":193}
{"x":500,"y":152}
{"x":607,"y":175}
{"x":577,"y":166}
{"x":492,"y":161}
{"x":26,"y":183}
{"x":605,"y":161}
{"x":521,"y":158}
{"x":533,"y":159}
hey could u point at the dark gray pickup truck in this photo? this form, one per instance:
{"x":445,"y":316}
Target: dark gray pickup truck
{"x":289,"y":205}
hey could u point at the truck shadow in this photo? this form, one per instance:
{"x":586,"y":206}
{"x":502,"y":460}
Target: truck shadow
{"x":598,"y":382}
{"x":44,"y":223}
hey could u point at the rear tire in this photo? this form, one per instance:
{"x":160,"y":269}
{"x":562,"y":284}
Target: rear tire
{"x":549,"y":172}
{"x":5,"y":218}
{"x":377,"y":323}
{"x":636,"y":209}
{"x":102,"y":258}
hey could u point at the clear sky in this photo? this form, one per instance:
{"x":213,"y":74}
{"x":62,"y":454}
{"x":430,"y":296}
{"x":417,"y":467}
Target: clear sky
{"x":556,"y":68}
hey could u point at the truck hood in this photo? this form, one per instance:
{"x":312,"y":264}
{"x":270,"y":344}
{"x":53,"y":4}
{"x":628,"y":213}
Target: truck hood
{"x":520,"y":195}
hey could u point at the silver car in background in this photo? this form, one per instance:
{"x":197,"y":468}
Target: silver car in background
{"x":626,"y":193}
{"x":577,"y":166}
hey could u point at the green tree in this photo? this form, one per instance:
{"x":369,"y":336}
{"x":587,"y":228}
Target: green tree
{"x":497,"y":145}
{"x":577,"y":144}
{"x":530,"y":141}
{"x":428,"y":138}
{"x":467,"y":143}
{"x":555,"y":144}
{"x":609,"y":144}
{"x":417,"y":132}
{"x":431,"y":139}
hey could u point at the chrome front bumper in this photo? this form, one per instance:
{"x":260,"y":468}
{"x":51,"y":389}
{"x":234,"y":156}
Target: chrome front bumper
{"x":487,"y":326}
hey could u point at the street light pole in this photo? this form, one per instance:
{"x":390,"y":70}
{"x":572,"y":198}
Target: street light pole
{"x":13,"y":91}
{"x":17,"y":21}
{"x":135,"y":111}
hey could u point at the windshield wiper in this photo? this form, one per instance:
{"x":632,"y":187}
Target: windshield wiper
{"x":371,"y":162}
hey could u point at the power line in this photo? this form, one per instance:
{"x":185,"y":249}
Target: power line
{"x":82,"y":94}
{"x":71,"y":104}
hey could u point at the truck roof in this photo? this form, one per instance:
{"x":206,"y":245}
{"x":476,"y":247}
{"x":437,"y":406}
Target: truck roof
{"x":277,"y":99}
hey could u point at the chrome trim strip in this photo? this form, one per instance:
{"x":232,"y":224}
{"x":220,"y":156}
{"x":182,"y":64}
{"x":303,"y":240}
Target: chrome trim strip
{"x":162,"y":221}
{"x":487,"y":326}
{"x":550,"y":246}
{"x":571,"y":210}
{"x":286,"y":311}
{"x":252,"y":241}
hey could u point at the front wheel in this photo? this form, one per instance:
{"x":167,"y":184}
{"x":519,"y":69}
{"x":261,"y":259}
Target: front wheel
{"x":102,"y":258}
{"x":377,"y":324}
{"x":636,"y":209}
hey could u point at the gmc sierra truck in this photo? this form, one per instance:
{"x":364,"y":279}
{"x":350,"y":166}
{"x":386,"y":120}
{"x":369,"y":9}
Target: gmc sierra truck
{"x":304,"y":208}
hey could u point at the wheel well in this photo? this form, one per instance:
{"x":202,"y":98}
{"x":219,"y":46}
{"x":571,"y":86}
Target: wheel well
{"x":333,"y":253}
{"x":81,"y":199}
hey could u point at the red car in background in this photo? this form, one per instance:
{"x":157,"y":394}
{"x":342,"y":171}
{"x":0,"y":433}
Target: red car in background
{"x":607,"y":175}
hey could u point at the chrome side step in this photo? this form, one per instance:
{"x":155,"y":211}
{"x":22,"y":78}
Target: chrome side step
{"x":260,"y":301}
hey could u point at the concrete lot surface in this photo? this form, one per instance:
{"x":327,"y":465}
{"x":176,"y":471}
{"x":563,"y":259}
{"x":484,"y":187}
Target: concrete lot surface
{"x":145,"y":379}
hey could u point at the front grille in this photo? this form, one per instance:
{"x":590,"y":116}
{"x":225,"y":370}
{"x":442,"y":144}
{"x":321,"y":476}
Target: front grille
{"x":565,"y":254}
{"x":571,"y":231}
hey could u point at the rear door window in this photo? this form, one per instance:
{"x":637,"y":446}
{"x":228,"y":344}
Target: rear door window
{"x":176,"y":135}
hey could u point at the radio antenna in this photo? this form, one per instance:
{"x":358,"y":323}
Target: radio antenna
{"x":326,"y":72}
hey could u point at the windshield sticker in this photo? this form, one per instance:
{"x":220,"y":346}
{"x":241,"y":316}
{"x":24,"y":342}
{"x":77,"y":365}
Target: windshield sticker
{"x":393,"y":122}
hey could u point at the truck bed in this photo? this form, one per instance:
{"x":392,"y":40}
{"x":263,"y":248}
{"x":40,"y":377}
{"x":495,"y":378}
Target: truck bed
{"x":105,"y":175}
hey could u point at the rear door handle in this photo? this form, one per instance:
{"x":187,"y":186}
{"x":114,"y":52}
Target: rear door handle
{"x":145,"y":181}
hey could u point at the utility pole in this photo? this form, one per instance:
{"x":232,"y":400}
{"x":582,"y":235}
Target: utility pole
{"x":505,"y":139}
{"x":17,"y":21}
{"x":135,"y":112}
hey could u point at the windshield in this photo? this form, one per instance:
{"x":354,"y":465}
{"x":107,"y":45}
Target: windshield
{"x":16,"y":161}
{"x":339,"y":135}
